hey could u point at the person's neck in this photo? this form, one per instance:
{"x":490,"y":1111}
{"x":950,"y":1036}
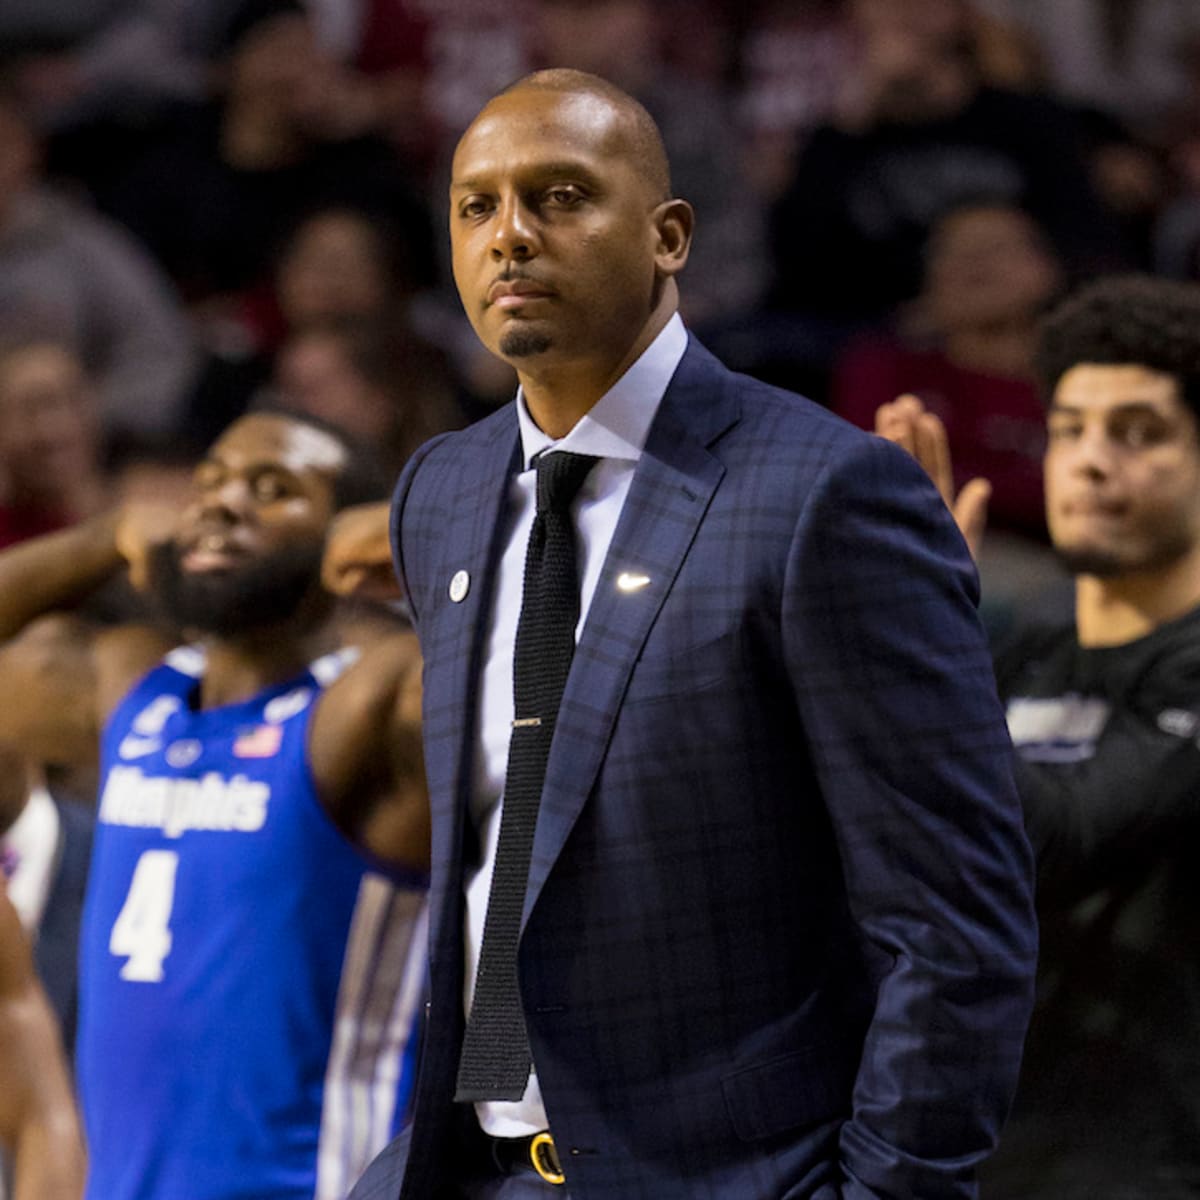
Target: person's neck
{"x":1005,"y":348}
{"x":1118,"y":609}
{"x":237,"y":669}
{"x":561,"y":391}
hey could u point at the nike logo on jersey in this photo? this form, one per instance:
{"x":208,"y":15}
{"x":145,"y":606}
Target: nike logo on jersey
{"x":1179,"y":721}
{"x":284,"y":707}
{"x":133,"y":746}
{"x":155,"y":715}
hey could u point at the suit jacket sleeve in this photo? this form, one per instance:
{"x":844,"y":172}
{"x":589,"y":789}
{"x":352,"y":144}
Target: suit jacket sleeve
{"x":895,"y":688}
{"x":427,"y":530}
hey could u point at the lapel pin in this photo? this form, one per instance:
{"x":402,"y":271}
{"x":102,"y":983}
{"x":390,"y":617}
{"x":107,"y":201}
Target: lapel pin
{"x":460,"y":584}
{"x":628,"y":581}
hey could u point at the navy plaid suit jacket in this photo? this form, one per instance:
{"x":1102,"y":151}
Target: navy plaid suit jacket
{"x":778,"y":937}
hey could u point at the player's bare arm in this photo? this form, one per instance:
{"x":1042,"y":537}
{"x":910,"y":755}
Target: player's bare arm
{"x":366,"y":737}
{"x":366,"y":754}
{"x":358,"y":556}
{"x":38,"y":1125}
{"x":62,"y":674}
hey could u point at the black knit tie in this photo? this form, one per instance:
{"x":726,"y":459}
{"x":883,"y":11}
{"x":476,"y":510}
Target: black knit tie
{"x":495,"y":1057}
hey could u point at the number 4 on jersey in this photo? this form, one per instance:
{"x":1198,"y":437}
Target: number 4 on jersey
{"x":141,"y":932}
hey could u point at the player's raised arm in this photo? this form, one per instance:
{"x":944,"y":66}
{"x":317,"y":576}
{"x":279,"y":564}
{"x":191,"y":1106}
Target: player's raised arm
{"x":366,"y":743}
{"x":358,"y":554}
{"x":366,"y":753}
{"x":60,"y":672}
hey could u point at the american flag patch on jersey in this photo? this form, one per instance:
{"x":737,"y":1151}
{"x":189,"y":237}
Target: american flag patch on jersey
{"x":263,"y":741}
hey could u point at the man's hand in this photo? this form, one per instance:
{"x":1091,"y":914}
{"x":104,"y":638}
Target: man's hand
{"x":140,"y":528}
{"x":358,"y":555}
{"x":908,"y":423}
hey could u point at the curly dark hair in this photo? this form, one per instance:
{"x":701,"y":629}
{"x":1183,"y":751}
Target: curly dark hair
{"x":1125,"y":319}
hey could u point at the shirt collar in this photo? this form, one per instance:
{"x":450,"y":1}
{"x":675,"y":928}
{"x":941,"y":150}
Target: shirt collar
{"x":618,"y":424}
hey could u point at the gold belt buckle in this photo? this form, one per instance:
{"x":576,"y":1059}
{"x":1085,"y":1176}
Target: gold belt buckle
{"x":544,"y":1156}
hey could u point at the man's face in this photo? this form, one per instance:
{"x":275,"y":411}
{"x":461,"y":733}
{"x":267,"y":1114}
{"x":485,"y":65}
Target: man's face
{"x":988,"y":266}
{"x":248,"y":549}
{"x":552,"y":229}
{"x":1122,"y":470}
{"x":49,"y":440}
{"x":332,"y":268}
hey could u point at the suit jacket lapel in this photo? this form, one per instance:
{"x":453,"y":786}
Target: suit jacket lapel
{"x":672,"y":487}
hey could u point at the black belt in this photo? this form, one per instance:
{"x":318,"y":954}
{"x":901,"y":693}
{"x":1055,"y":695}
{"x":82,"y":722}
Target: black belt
{"x":535,"y":1153}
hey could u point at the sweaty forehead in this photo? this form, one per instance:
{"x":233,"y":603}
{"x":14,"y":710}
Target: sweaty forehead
{"x":529,"y":125}
{"x":268,"y":439}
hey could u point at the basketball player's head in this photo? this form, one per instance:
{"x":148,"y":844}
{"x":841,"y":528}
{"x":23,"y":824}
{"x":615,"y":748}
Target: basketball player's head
{"x":246,"y":556}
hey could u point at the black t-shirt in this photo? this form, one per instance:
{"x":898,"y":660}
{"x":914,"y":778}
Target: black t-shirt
{"x":1109,"y":773}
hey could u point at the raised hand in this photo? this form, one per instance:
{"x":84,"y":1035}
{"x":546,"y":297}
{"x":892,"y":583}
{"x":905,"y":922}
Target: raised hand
{"x":140,"y":527}
{"x":907,"y":422}
{"x":358,"y":555}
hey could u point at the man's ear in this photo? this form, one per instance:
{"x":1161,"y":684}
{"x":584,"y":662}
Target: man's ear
{"x":673,"y":222}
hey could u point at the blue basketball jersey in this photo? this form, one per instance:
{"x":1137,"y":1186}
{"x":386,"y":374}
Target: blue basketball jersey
{"x":226,"y":921}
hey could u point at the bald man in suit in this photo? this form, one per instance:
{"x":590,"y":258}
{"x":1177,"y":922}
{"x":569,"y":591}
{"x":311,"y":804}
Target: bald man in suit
{"x":775,"y":932}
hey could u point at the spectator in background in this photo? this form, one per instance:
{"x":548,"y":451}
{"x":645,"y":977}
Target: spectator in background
{"x":1122,"y":57}
{"x":69,"y":275}
{"x":74,"y":59}
{"x":622,"y":41}
{"x":1177,"y":235}
{"x":422,"y":61}
{"x":38,"y":1124}
{"x":1085,"y":53}
{"x":989,"y":277}
{"x":51,"y":472}
{"x":345,"y":308}
{"x":45,"y":845}
{"x":1103,"y":706}
{"x":344,"y":265}
{"x":340,"y":263}
{"x":381,"y":386}
{"x":227,"y":178}
{"x":101,"y":64}
{"x":792,"y":59}
{"x":917,"y":131}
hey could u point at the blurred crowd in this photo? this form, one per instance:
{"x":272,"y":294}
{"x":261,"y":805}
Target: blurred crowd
{"x":209,"y":207}
{"x":209,"y":204}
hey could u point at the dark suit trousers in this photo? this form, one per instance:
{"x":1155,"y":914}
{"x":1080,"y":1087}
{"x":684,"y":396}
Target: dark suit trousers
{"x":382,"y":1179}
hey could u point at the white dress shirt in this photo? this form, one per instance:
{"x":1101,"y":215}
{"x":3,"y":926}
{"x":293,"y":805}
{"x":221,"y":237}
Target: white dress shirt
{"x":615,"y":431}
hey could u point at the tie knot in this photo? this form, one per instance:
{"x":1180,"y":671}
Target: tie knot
{"x":560,"y":475}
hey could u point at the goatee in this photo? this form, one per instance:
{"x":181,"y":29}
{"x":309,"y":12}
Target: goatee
{"x":522,"y":343}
